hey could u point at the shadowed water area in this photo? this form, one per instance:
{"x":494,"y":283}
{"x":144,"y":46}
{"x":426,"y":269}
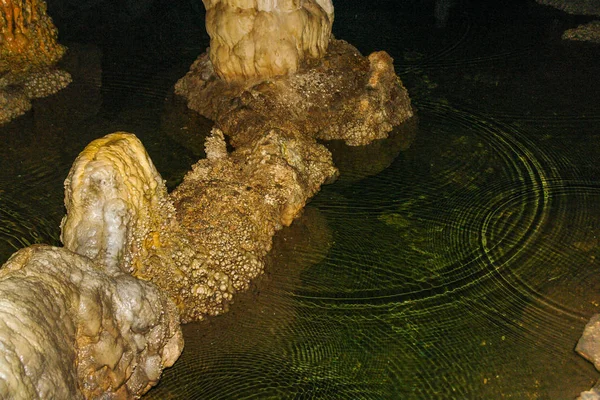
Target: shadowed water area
{"x":457,"y":259}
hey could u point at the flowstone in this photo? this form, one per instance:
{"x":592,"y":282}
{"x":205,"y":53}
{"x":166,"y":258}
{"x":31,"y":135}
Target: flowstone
{"x":346,"y":96}
{"x":29,"y":52}
{"x":263,"y":38}
{"x":70,"y":329}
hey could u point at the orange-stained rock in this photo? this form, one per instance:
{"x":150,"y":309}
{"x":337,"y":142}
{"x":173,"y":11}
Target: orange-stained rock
{"x":29,"y":52}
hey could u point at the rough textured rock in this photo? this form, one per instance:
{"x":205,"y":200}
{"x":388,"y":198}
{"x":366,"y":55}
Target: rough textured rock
{"x":588,"y":347}
{"x":346,"y":96}
{"x":29,"y":52}
{"x":263,"y":38}
{"x":231,"y":205}
{"x":580,"y":7}
{"x":208,"y":239}
{"x":589,"y":32}
{"x":70,"y":329}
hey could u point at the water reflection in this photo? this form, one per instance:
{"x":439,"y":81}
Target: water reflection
{"x":461,"y":266}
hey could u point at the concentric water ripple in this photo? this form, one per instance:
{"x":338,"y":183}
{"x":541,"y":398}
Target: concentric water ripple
{"x":451,"y":273}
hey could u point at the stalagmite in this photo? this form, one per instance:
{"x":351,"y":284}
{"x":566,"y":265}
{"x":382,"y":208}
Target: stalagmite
{"x":335,"y":93}
{"x":262,"y":38}
{"x":29,"y":52}
{"x":71,"y":329}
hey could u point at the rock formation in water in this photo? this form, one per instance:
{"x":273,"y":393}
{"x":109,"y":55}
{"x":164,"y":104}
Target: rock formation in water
{"x":588,"y":347}
{"x":589,"y":32}
{"x":209,"y":238}
{"x":104,"y":332}
{"x":72,"y":329}
{"x":263,"y":38}
{"x":339,"y":94}
{"x":29,"y":52}
{"x":232,"y":203}
{"x":346,"y":96}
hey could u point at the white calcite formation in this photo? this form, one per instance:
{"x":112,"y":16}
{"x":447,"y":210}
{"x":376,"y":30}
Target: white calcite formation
{"x":71,"y":329}
{"x":262,"y":38}
{"x":118,"y":212}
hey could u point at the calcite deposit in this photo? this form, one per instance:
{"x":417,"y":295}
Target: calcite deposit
{"x":346,"y":96}
{"x":209,"y":238}
{"x":231,"y":205}
{"x":75,"y":322}
{"x":589,"y":32}
{"x":29,"y":52}
{"x":262,"y":38}
{"x":71,"y":329}
{"x":588,"y":348}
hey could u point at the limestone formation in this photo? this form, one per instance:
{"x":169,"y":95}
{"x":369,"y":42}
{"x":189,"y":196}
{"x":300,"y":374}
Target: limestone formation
{"x":29,"y":52}
{"x":209,"y":238}
{"x":589,"y":349}
{"x":231,"y":205}
{"x":274,"y":83}
{"x":262,"y":38}
{"x":71,"y":329}
{"x":346,"y":96}
{"x":589,"y":32}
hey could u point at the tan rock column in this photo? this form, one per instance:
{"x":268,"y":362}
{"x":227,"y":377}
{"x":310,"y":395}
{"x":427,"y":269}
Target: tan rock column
{"x":262,"y":38}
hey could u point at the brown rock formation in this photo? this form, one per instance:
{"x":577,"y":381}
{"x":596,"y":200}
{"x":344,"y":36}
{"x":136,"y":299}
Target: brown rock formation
{"x":346,"y":96}
{"x":210,"y":237}
{"x":29,"y":52}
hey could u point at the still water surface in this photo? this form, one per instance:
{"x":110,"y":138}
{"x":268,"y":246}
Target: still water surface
{"x":457,"y":259}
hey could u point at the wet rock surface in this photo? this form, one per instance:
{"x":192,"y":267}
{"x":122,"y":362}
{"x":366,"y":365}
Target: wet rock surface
{"x":263,"y":38}
{"x":72,"y":329}
{"x":589,"y":349}
{"x":347,"y":96}
{"x":29,"y":52}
